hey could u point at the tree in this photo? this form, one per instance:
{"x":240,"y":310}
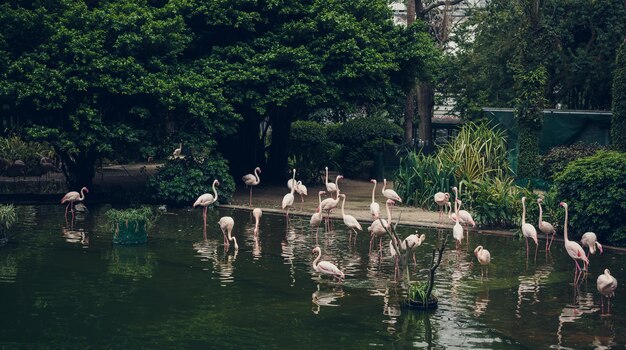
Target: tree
{"x":618,"y":120}
{"x":90,"y":79}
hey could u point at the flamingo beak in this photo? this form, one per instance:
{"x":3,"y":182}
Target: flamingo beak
{"x":600,"y":247}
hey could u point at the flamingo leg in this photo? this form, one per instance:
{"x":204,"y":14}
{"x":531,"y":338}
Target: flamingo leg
{"x":552,"y":240}
{"x":250,"y":203}
{"x":527,"y":248}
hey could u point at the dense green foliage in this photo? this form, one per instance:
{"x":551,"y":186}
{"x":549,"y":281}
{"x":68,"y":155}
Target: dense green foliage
{"x":181,"y":181}
{"x":360,"y":139}
{"x":595,"y":188}
{"x":420,"y":177}
{"x":497,"y":202}
{"x":618,"y":119}
{"x":130,"y":226}
{"x":559,"y":157}
{"x":15,"y":148}
{"x":8,"y":217}
{"x":582,"y":39}
{"x":311,"y":150}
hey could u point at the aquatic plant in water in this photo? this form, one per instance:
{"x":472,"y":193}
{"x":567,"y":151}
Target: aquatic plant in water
{"x":130,"y":226}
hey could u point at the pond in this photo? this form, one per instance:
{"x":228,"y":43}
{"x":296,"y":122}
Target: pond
{"x":71,"y":287}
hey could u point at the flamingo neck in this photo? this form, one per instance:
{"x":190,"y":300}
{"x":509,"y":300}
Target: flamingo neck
{"x":319,"y":255}
{"x":373,"y":191}
{"x":388,"y":213}
{"x":256,"y":174}
{"x":384,"y":186}
{"x":326,"y":174}
{"x":214,"y":191}
{"x":293,"y":187}
{"x":456,"y":211}
{"x":82,"y":194}
{"x":343,"y":213}
{"x":319,"y":196}
{"x":540,"y":213}
{"x":523,"y":212}
{"x":565,"y":227}
{"x":234,"y":241}
{"x":337,"y":183}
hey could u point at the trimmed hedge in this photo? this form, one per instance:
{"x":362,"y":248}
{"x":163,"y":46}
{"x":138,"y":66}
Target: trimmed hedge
{"x":559,"y":157}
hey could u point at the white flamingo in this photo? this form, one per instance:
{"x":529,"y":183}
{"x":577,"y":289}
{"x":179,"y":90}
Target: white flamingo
{"x":330,"y":187}
{"x":349,"y":220}
{"x":528,"y":230}
{"x":252,"y":180}
{"x":457,"y":230}
{"x":484,"y":258}
{"x":606,"y":285}
{"x":441,"y":199}
{"x":178,"y":151}
{"x":374,"y":207}
{"x":574,"y":250}
{"x":226,"y":225}
{"x":411,"y":242}
{"x":316,"y":218}
{"x":288,"y":199}
{"x":205,"y":200}
{"x":389,"y":193}
{"x":73,"y":197}
{"x":464,"y":216}
{"x":257,"y":212}
{"x":326,"y":267}
{"x":545,"y":227}
{"x":331,"y":203}
{"x":380,"y":226}
{"x":590,"y":240}
{"x":302,"y":191}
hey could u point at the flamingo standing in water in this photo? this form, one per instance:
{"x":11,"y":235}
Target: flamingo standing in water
{"x":380,"y":226}
{"x":484,"y":258}
{"x":73,"y":197}
{"x":411,"y":242}
{"x":545,"y":227}
{"x":441,"y":199}
{"x":330,"y":187}
{"x":349,"y":220}
{"x":326,"y":267}
{"x":374,"y":207}
{"x":331,"y":203}
{"x":457,"y":230}
{"x":528,"y":230}
{"x":288,"y":199}
{"x":252,"y":180}
{"x":606,"y":285}
{"x":574,"y":250}
{"x":257,"y":212}
{"x":590,"y":240}
{"x":316,"y":218}
{"x":205,"y":200}
{"x":464,"y":216}
{"x":302,"y":191}
{"x":226,"y":225}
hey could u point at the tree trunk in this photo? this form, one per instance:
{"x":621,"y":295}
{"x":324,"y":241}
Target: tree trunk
{"x":409,"y":116}
{"x":80,"y":170}
{"x":425,"y":105}
{"x":276,"y":171}
{"x":242,"y":149}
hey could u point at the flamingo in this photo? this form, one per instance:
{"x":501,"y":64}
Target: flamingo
{"x":528,"y":230}
{"x":257,"y":212}
{"x":316,"y":218}
{"x":380,"y":226}
{"x":252,"y":180}
{"x":457,"y":230}
{"x":590,"y":240}
{"x":349,"y":220}
{"x":441,"y":199}
{"x":330,"y":187}
{"x":288,"y":199}
{"x":545,"y":227}
{"x":374,"y":207}
{"x":484,"y":258}
{"x":389,"y":193}
{"x":226,"y":225}
{"x":606,"y":285}
{"x":177,"y":151}
{"x":411,"y":242}
{"x":574,"y":250}
{"x":331,"y":203}
{"x":205,"y":200}
{"x":73,"y":197}
{"x":464,"y":216}
{"x":326,"y":267}
{"x":302,"y":190}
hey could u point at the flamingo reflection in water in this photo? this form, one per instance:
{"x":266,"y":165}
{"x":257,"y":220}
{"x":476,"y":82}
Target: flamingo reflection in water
{"x":208,"y":251}
{"x":325,"y":298}
{"x":481,"y":302}
{"x":532,"y":285}
{"x":573,"y":312}
{"x":76,"y":236}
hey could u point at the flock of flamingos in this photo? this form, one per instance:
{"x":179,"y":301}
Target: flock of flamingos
{"x":606,"y":284}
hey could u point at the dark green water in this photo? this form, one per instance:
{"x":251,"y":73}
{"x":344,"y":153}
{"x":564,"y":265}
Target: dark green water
{"x":71,"y":288}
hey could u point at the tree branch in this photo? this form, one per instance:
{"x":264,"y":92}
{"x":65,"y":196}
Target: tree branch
{"x":436,"y":4}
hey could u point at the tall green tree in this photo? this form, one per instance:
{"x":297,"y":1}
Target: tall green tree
{"x":92,"y":77}
{"x":618,"y":120}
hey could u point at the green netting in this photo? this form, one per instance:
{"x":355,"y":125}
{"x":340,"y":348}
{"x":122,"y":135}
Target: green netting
{"x":560,"y":127}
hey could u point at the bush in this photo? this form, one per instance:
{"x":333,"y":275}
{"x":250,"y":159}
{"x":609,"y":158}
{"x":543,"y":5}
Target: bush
{"x":420,"y":177}
{"x":14,"y":148}
{"x":618,"y":119}
{"x":360,"y":138}
{"x":181,"y":181}
{"x":497,"y":202}
{"x":595,"y":187}
{"x":8,"y":217}
{"x":311,"y":150}
{"x":559,"y":157}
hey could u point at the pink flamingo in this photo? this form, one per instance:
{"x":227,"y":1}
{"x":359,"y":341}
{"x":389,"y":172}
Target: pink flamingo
{"x":528,"y":230}
{"x":590,"y":240}
{"x":316,"y":218}
{"x":464,"y":216}
{"x":606,"y":285}
{"x":226,"y":225}
{"x":330,"y":187}
{"x":349,"y":220}
{"x":574,"y":250}
{"x":411,"y":242}
{"x":377,"y":229}
{"x":252,"y":180}
{"x":457,"y":230}
{"x":326,"y":267}
{"x":205,"y":200}
{"x":257,"y":212}
{"x":73,"y":197}
{"x":484,"y":258}
{"x":331,"y":203}
{"x":288,"y":199}
{"x":389,"y":193}
{"x":545,"y":227}
{"x":441,"y":199}
{"x":374,"y":207}
{"x":302,"y":191}
{"x":178,"y":151}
